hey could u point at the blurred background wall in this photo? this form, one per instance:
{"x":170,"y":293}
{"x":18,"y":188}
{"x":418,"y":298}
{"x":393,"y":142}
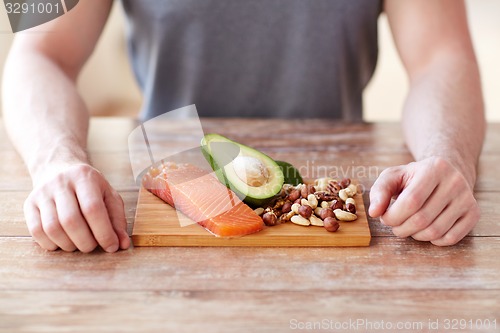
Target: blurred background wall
{"x":384,"y":97}
{"x":108,"y":86}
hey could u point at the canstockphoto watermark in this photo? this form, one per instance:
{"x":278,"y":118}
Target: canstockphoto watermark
{"x":365,"y":324}
{"x":26,"y":14}
{"x":355,"y":325}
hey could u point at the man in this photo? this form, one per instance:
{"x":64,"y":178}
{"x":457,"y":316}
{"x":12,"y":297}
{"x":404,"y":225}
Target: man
{"x":242,"y":58}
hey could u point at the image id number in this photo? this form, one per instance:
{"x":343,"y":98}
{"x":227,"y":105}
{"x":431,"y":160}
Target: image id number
{"x":32,"y":8}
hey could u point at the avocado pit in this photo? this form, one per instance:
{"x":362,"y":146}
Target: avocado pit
{"x":251,"y":170}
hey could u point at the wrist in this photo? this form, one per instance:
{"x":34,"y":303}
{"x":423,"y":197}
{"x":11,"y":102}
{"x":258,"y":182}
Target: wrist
{"x":50,"y":162}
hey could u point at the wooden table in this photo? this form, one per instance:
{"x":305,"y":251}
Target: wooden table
{"x":392,"y":282}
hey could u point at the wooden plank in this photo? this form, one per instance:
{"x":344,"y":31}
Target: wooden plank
{"x":389,"y":264}
{"x":252,"y":311}
{"x":157,"y":224}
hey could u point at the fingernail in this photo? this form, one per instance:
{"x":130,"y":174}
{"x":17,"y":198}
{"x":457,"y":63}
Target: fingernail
{"x":112,"y":248}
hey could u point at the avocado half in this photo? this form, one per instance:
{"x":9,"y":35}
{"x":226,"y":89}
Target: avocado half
{"x":253,"y":176}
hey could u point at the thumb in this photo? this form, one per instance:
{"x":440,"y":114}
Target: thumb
{"x":388,"y":184}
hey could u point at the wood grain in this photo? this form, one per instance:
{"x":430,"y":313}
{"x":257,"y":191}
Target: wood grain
{"x":233,"y":311}
{"x":388,"y":264}
{"x":157,"y":224}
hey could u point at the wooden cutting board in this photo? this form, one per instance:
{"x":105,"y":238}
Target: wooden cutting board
{"x":156,"y":224}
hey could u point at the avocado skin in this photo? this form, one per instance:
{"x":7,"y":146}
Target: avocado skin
{"x":292,"y":175}
{"x":253,"y":202}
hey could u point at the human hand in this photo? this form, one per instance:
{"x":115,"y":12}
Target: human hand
{"x":74,"y":207}
{"x":434,"y":201}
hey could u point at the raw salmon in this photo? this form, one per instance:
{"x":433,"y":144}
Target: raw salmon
{"x":201,"y":197}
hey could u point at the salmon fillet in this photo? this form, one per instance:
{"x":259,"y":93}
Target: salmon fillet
{"x":201,"y":197}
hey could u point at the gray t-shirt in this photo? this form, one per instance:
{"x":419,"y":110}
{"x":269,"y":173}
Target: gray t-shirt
{"x":254,"y":58}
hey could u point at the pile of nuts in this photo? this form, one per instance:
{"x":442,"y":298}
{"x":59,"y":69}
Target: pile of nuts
{"x":323,"y":204}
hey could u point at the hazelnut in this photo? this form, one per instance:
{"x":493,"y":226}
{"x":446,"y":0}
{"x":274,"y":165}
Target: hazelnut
{"x":326,"y":212}
{"x":336,"y":204}
{"x":331,"y":224}
{"x":287,"y":207}
{"x":305,"y":211}
{"x":294,"y":195}
{"x":345,"y":182}
{"x":269,"y":218}
{"x":304,"y":191}
{"x":350,"y":208}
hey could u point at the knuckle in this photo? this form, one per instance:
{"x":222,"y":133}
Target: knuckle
{"x":51,"y":227}
{"x":413,"y":202}
{"x":399,"y":233}
{"x":457,"y":181}
{"x":69,"y":223}
{"x":420,"y":220}
{"x":431,"y":233}
{"x":28,"y":203}
{"x":85,"y":173}
{"x":117,"y":198}
{"x":36,"y":197}
{"x":91,"y":207}
{"x":91,"y":173}
{"x":59,"y":180}
{"x":82,"y":169}
{"x":36,"y":230}
{"x":388,"y":220}
{"x":440,"y":164}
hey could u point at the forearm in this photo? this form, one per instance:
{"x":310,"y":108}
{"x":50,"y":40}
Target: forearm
{"x":444,"y":114}
{"x":45,"y":117}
